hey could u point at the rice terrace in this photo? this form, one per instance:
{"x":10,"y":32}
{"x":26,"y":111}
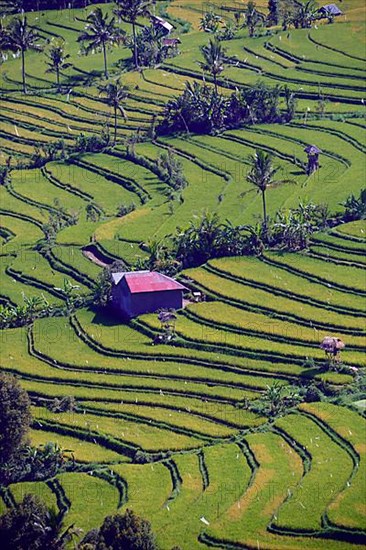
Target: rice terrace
{"x":182,"y":288}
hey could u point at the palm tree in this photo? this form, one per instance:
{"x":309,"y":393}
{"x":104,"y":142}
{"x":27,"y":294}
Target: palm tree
{"x":99,"y":34}
{"x":18,"y":37}
{"x":177,"y":110}
{"x":262,"y":175}
{"x":57,"y":60}
{"x":130,"y":10}
{"x":252,"y":17}
{"x":305,"y":14}
{"x":214,"y":62}
{"x":116,"y":93}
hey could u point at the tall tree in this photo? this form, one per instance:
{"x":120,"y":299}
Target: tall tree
{"x":30,"y":525}
{"x":100,"y":33}
{"x":19,"y":37}
{"x":15,"y":416}
{"x":130,"y":10}
{"x":116,"y":94}
{"x":305,"y":14}
{"x":262,"y":175}
{"x":57,"y":59}
{"x":126,"y":532}
{"x":252,"y":17}
{"x":214,"y":63}
{"x":273,"y":12}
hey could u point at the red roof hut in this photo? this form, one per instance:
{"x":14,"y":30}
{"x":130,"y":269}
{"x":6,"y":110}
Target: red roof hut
{"x":137,"y":292}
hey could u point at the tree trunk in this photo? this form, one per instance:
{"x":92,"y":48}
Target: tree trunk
{"x":23,"y":72}
{"x":135,"y":56}
{"x":215,"y":83}
{"x":115,"y":125}
{"x":105,"y":60}
{"x":264,"y":210}
{"x":184,"y":122}
{"x":58,"y":78}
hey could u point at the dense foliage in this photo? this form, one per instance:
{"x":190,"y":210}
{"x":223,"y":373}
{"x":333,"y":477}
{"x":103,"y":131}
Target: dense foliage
{"x":355,"y":207}
{"x":15,"y":417}
{"x":200,"y":109}
{"x":125,"y":532}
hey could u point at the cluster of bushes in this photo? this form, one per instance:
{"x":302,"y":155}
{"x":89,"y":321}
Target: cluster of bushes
{"x":29,"y":5}
{"x":280,"y":12}
{"x":207,"y":238}
{"x":59,"y":218}
{"x":18,"y":460}
{"x":58,"y":150}
{"x":200,"y":109}
{"x":30,"y":524}
{"x":151,"y":50}
{"x":355,"y":207}
{"x":291,"y":230}
{"x":167,"y":167}
{"x":124,"y":209}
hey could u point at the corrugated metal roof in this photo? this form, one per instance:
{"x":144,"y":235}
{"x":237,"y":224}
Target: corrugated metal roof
{"x":147,"y":281}
{"x":160,"y":21}
{"x":333,"y":9}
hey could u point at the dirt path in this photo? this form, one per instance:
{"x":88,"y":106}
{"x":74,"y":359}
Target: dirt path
{"x":94,"y":255}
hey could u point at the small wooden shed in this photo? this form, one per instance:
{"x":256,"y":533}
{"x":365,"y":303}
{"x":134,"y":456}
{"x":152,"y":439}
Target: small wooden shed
{"x":138,"y":292}
{"x":330,"y":10}
{"x":160,"y":24}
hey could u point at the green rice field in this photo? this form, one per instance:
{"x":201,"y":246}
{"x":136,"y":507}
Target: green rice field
{"x":178,"y":425}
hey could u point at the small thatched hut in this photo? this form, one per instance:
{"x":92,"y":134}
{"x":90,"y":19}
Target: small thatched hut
{"x":332,"y":347}
{"x":312,"y":152}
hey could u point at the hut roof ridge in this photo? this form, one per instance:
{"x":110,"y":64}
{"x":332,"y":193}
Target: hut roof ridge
{"x":147,"y":281}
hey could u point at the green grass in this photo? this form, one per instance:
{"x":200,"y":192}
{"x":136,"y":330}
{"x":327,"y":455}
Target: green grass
{"x":223,"y":315}
{"x":330,"y":469}
{"x":353,"y":229}
{"x":347,"y":509}
{"x":198,"y":333}
{"x":102,"y":499}
{"x":37,"y":488}
{"x":83,"y":451}
{"x":261,"y":300}
{"x":277,"y":278}
{"x":143,"y":435}
{"x":348,"y":278}
{"x":267,"y":315}
{"x":94,"y":186}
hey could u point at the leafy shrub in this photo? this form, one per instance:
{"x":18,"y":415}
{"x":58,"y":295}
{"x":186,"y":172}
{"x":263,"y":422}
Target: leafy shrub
{"x":172,"y":170}
{"x":292,"y":230}
{"x":125,"y":532}
{"x":355,"y":208}
{"x":200,"y":109}
{"x":15,"y":416}
{"x":103,"y":287}
{"x":124,"y":209}
{"x":313,"y":394}
{"x":92,"y":144}
{"x":65,"y":404}
{"x":47,"y":152}
{"x":28,"y":526}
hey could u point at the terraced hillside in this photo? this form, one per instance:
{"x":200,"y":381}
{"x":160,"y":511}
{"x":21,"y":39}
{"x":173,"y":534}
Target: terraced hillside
{"x":177,"y":432}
